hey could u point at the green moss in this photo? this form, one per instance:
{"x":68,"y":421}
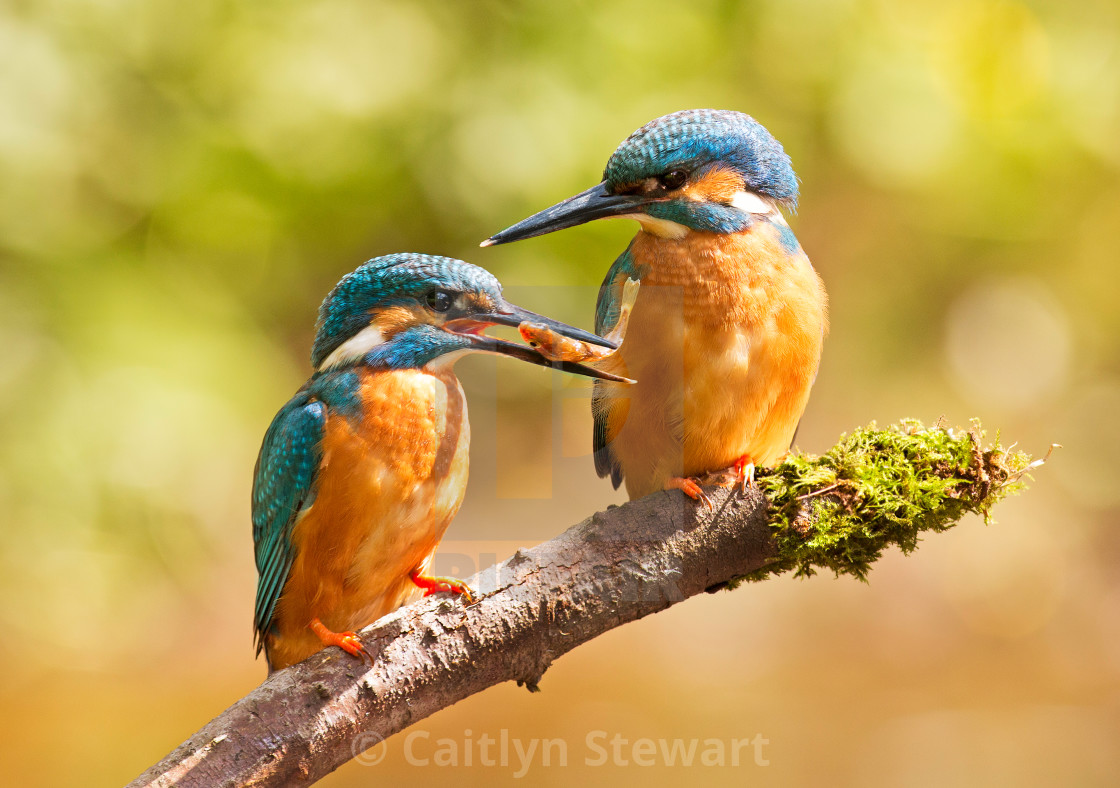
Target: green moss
{"x":881,"y":487}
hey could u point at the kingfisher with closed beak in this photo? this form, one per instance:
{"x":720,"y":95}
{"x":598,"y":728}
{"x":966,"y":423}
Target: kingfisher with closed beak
{"x":725,"y":336}
{"x":363,"y":469}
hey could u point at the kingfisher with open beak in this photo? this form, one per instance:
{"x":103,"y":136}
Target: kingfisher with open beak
{"x":363,"y":469}
{"x":725,"y":336}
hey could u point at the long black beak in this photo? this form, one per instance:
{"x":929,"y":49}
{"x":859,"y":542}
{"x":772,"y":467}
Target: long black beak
{"x":510,"y":315}
{"x":595,"y":203}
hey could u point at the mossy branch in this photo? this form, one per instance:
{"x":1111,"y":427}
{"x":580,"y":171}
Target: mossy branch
{"x":877,"y":488}
{"x":839,"y":511}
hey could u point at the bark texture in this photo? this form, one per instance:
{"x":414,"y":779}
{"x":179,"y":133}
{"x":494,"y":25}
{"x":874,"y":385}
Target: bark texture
{"x":874,"y":489}
{"x":617,"y":566}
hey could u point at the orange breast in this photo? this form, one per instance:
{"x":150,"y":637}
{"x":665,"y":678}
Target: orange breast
{"x":388,"y":487}
{"x":724,"y":341}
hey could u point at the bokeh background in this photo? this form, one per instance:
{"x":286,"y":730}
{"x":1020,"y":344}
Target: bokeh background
{"x":181,"y":183}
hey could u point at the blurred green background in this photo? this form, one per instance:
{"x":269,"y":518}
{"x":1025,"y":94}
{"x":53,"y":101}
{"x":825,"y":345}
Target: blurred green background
{"x":181,"y":183}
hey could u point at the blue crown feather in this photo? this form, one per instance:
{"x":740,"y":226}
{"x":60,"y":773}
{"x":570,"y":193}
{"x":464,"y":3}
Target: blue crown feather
{"x":698,"y":137}
{"x":386,"y":281}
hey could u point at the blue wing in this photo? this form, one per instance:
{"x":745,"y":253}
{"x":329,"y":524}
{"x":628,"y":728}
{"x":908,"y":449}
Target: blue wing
{"x":283,"y":486}
{"x":606,"y":315}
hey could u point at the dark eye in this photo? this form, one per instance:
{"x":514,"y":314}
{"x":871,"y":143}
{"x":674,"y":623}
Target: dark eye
{"x":438,"y":300}
{"x":673,"y":179}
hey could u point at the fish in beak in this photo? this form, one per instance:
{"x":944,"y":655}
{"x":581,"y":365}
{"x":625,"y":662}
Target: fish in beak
{"x":510,"y":315}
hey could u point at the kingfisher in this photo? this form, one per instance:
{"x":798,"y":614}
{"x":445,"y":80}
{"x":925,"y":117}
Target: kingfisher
{"x":361,"y":472}
{"x":726,"y":333}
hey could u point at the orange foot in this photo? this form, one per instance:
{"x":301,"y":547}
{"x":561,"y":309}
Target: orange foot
{"x":449,"y":585}
{"x":744,"y":472}
{"x":347,"y":641}
{"x":690,"y":487}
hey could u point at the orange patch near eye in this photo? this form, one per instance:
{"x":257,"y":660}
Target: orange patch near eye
{"x":395,"y":319}
{"x":718,"y":185}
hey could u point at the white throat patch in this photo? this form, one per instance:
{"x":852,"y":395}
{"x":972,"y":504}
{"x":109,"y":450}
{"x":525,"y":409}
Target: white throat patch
{"x":355,"y":347}
{"x":444,"y":360}
{"x":745,"y":201}
{"x":751,"y":202}
{"x":662,"y":228}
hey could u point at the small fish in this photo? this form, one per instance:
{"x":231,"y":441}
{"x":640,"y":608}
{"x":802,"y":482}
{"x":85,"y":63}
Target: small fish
{"x":556,"y":347}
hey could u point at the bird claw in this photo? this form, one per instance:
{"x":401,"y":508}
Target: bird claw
{"x":445,"y":585}
{"x":352,"y":645}
{"x":347,"y":641}
{"x":738,"y":474}
{"x":744,"y":472}
{"x":690,"y":487}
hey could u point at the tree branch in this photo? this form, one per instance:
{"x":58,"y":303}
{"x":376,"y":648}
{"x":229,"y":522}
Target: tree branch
{"x":837,"y":511}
